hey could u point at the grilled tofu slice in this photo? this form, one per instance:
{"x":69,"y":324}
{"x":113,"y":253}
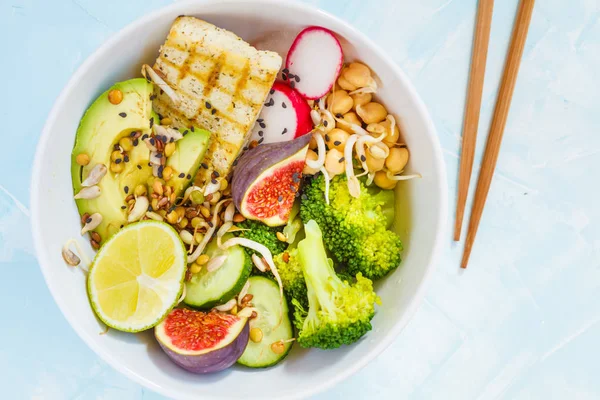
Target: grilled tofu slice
{"x":221,"y":83}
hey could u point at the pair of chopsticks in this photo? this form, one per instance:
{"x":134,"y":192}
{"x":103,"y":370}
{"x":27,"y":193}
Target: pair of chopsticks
{"x":471,"y":119}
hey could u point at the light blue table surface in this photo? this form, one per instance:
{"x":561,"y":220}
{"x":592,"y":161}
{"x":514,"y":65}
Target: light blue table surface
{"x":521,"y":323}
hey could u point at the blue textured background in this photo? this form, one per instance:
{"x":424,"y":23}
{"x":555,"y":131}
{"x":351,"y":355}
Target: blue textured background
{"x":522,"y":322}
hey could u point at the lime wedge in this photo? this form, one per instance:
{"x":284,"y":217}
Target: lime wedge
{"x":137,"y":276}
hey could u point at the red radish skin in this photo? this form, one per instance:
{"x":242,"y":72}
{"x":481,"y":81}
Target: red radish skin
{"x":314,"y":62}
{"x":285,"y":116}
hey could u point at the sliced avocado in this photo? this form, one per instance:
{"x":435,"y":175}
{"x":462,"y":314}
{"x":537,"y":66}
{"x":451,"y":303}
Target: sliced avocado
{"x":187,"y":158}
{"x":102,"y":126}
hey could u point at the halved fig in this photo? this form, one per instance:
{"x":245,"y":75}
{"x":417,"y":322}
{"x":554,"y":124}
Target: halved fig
{"x":267,"y":180}
{"x":202,"y":342}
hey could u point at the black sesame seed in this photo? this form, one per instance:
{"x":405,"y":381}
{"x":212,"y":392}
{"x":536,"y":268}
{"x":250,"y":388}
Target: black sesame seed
{"x":139,"y":166}
{"x":118,"y":161}
{"x":284,"y":77}
{"x":149,"y":164}
{"x":123,"y":207}
{"x":126,"y":189}
{"x":159,"y":155}
{"x":192,"y":129}
{"x":363,"y":158}
{"x":145,"y":136}
{"x":337,"y":143}
{"x":116,"y":147}
{"x":338,"y":115}
{"x":126,"y":158}
{"x":204,"y":165}
{"x":213,"y":181}
{"x":297,"y":78}
{"x":271,"y":91}
{"x":342,"y":159}
{"x":284,"y":131}
{"x":182,"y":175}
{"x":280,"y":198}
{"x":87,"y":221}
{"x":176,"y":128}
{"x":214,"y":111}
{"x":121,"y":226}
{"x":152,"y":97}
{"x":152,"y":141}
{"x":122,"y":115}
{"x":208,"y":105}
{"x":161,"y":92}
{"x":171,"y":140}
{"x":136,"y":142}
{"x":325,"y":123}
{"x":260,"y":120}
{"x":260,"y":133}
{"x":262,"y":125}
{"x":210,"y":224}
{"x":189,"y":176}
{"x":286,"y":71}
{"x":283,"y":104}
{"x":132,"y":134}
{"x":185,"y":132}
{"x":292,"y":84}
{"x":326,"y":138}
{"x":216,"y":174}
{"x":262,"y":139}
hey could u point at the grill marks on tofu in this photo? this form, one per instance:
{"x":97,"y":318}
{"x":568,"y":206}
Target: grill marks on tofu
{"x":222,"y":82}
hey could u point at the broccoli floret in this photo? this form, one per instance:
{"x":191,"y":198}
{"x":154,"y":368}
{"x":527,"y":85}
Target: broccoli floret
{"x":354,"y":229}
{"x":263,"y":234}
{"x":292,"y":277}
{"x":338,"y":312}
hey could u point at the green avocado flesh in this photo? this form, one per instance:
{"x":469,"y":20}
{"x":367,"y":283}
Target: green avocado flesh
{"x":101,"y":128}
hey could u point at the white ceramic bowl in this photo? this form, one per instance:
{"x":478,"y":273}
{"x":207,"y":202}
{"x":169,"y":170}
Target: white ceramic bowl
{"x":421,"y":207}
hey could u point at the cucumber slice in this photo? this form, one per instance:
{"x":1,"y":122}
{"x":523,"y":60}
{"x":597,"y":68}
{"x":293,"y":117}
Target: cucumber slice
{"x":208,"y":289}
{"x":266,"y":301}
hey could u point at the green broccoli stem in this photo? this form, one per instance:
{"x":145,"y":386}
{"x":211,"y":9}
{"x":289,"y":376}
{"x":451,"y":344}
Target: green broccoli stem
{"x":319,"y":274}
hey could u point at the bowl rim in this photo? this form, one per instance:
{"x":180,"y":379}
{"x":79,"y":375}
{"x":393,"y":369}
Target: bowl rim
{"x":440,"y":170}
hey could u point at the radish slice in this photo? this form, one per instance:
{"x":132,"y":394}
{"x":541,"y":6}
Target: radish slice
{"x":285,"y":116}
{"x":314,"y":62}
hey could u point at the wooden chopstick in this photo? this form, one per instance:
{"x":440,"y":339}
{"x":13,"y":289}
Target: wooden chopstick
{"x":473,"y":105}
{"x":507,"y":87}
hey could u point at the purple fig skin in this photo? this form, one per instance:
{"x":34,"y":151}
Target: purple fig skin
{"x":255,"y":161}
{"x":214,"y":361}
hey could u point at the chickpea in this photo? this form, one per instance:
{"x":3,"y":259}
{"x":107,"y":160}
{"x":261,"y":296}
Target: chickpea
{"x":170,"y":149}
{"x":375,"y":129}
{"x":383,"y":181}
{"x":328,"y":122}
{"x":167,"y":173}
{"x":336,"y":139}
{"x":312,"y":145}
{"x":360,"y":99}
{"x":391,"y":137}
{"x":126,"y":143}
{"x":310,"y":155}
{"x":116,"y":168}
{"x":344,"y":84}
{"x":397,"y":159}
{"x":339,"y":102}
{"x":115,"y":155}
{"x":371,"y":112}
{"x":82,"y":159}
{"x":115,"y":96}
{"x":358,"y":75}
{"x":350,"y":118}
{"x":334,"y":162}
{"x":374,"y":164}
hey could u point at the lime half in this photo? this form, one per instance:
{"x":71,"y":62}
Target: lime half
{"x":137,"y":276}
